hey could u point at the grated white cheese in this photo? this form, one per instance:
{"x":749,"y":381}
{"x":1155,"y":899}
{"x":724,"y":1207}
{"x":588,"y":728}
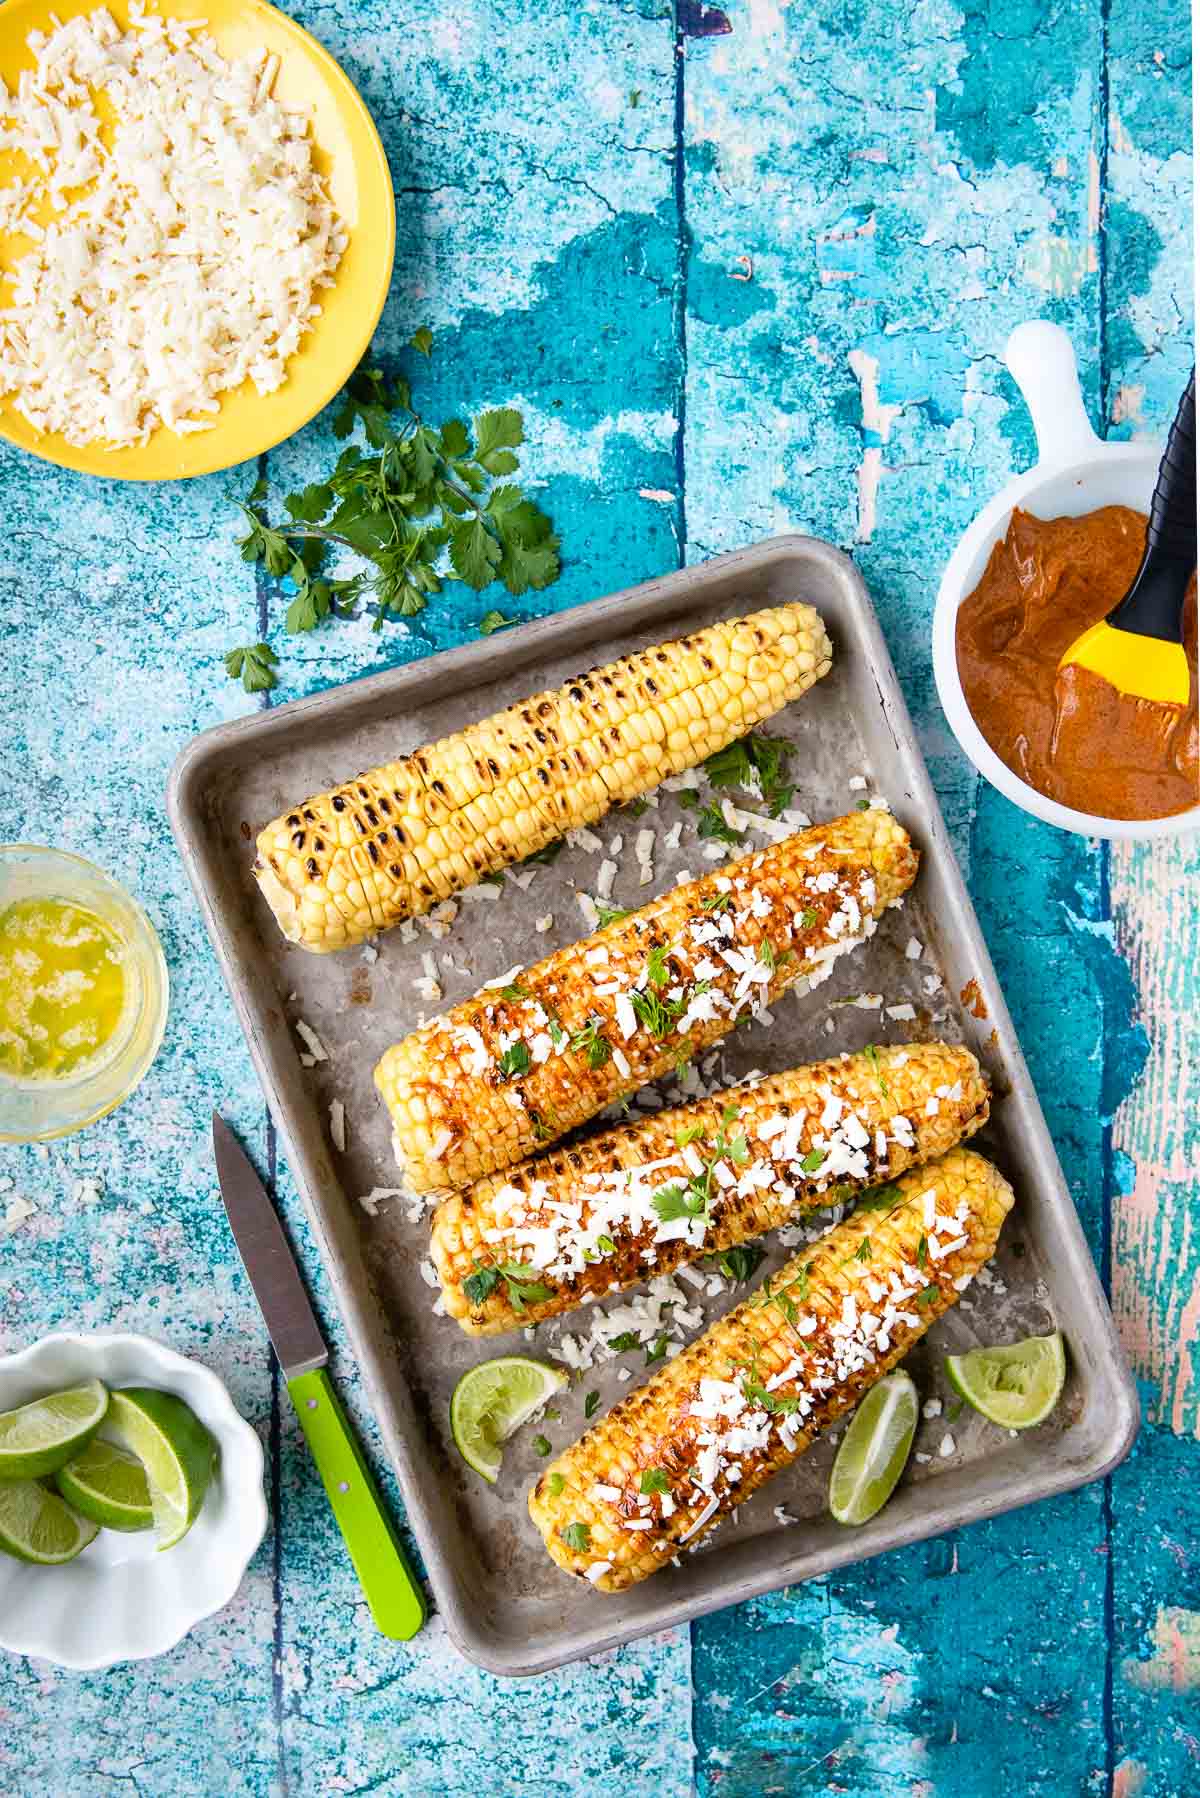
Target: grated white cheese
{"x":176,"y":263}
{"x":16,"y":1211}
{"x":337,"y":1126}
{"x":312,"y":1042}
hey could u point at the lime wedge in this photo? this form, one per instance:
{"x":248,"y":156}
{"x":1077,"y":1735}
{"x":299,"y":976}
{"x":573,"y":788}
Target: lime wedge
{"x":874,"y":1450}
{"x":39,"y":1437}
{"x":1017,"y":1385}
{"x":494,"y":1399}
{"x":176,"y":1450}
{"x":109,"y":1485}
{"x":35,"y":1525}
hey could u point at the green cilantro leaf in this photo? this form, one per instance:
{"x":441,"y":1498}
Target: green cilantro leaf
{"x":577,"y":1536}
{"x":554,"y":1484}
{"x":493,"y":621}
{"x":676,"y":1201}
{"x":929,"y":1295}
{"x":591,"y":1404}
{"x":872,"y":1055}
{"x":741,"y":1261}
{"x":515,"y":1060}
{"x":500,"y":429}
{"x":474,"y":553}
{"x":541,"y":1445}
{"x":656,"y":1351}
{"x":660,"y":1016}
{"x":881,"y":1199}
{"x":657,"y":971}
{"x":609,"y":914}
{"x":654,"y":1479}
{"x":422,"y":340}
{"x":524,"y":1287}
{"x":541,"y":858}
{"x":813,"y":1161}
{"x":254,"y":664}
{"x":592,"y":1044}
{"x":711,"y":823}
{"x":628,"y":1339}
{"x":479,"y":1286}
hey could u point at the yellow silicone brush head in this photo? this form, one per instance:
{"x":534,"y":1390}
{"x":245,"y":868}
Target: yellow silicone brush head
{"x":1144,"y":667}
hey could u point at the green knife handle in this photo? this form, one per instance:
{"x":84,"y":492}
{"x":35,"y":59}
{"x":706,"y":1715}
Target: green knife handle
{"x":396,"y":1600}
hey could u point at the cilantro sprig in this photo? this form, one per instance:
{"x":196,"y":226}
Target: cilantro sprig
{"x":419,"y":504}
{"x":524,"y":1287}
{"x":754,"y":761}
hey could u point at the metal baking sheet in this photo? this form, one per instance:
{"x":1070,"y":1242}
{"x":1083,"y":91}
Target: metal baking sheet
{"x":505,"y":1604}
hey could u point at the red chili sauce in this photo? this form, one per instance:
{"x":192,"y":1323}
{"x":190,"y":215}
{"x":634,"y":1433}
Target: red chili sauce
{"x":1072,"y":735}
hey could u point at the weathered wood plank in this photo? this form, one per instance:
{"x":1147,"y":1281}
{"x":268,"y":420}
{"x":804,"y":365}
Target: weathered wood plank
{"x":1155,"y":1240}
{"x":539,"y":245}
{"x":117,"y":605}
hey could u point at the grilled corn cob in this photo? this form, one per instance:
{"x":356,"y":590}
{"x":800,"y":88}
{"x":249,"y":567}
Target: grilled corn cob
{"x":638,"y":1200}
{"x":751,"y":1394}
{"x":397,"y":840}
{"x":513,"y":1068}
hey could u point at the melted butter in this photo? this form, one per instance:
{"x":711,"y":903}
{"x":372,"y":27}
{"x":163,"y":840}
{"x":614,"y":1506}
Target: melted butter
{"x":62,"y":988}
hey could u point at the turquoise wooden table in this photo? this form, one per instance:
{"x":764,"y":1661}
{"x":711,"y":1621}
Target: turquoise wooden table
{"x":745,"y":270}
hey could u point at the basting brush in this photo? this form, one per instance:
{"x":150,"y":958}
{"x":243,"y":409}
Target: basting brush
{"x":1138,"y":648}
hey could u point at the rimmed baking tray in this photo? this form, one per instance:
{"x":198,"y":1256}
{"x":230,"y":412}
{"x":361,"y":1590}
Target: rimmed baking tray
{"x":505,"y":1604}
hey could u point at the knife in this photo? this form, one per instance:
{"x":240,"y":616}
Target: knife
{"x":396,"y":1601}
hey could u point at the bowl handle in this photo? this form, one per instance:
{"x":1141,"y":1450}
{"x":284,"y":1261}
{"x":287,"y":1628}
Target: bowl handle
{"x":1042,"y":362}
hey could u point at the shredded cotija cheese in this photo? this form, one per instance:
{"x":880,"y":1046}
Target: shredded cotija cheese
{"x":175,"y":253}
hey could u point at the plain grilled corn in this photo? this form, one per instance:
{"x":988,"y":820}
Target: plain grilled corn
{"x":750,"y":1395}
{"x":641,"y":1199}
{"x":507,"y":1072}
{"x":396,"y":841}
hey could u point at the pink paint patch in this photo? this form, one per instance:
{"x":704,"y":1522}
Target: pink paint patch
{"x":1129,"y":1779}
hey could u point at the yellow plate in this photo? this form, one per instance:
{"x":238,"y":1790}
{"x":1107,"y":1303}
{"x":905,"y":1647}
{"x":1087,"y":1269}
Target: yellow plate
{"x":347,"y":152}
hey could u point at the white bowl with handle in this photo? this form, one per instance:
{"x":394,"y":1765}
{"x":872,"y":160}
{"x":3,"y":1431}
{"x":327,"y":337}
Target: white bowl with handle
{"x":121,"y":1600}
{"x":1075,"y":472}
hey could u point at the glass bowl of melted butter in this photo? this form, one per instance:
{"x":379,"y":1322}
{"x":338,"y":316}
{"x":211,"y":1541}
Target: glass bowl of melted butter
{"x":83,"y":993}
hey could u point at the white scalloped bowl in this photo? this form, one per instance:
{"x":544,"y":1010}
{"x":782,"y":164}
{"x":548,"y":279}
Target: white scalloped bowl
{"x":120,"y":1600}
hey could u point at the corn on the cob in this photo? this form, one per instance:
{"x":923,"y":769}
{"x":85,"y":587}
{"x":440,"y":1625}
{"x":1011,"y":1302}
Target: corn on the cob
{"x":645,"y":1197}
{"x":513,"y":1068}
{"x":750,"y":1395}
{"x":397,"y":840}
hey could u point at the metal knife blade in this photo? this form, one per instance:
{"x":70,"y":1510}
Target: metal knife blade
{"x":269,"y":1261}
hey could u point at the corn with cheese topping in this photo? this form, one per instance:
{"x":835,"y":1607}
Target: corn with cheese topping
{"x":648,"y":1196}
{"x":512,"y":1069}
{"x":748,"y":1397}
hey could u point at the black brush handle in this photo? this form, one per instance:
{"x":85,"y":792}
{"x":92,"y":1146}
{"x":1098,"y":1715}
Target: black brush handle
{"x":1153,"y":607}
{"x":1172,"y":527}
